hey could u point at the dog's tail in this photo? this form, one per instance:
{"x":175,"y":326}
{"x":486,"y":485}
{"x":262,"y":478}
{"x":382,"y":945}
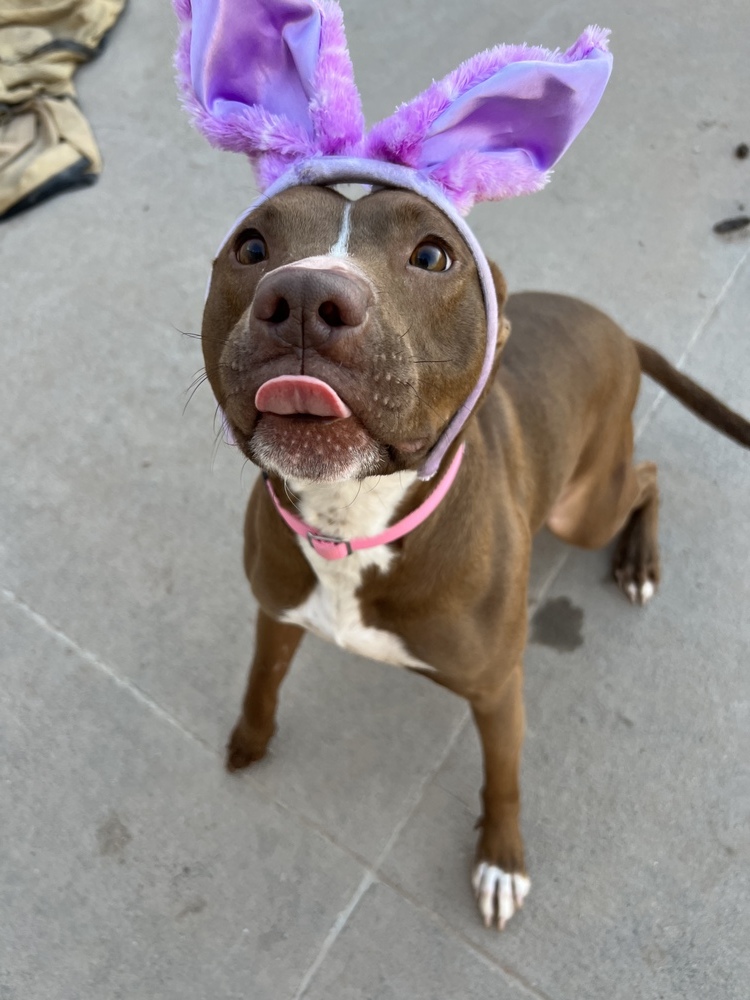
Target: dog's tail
{"x":693,"y":396}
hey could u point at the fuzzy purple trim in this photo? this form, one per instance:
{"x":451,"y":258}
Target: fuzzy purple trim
{"x":473,"y":175}
{"x":399,"y":138}
{"x":592,"y":39}
{"x":480,"y":133}
{"x":271,"y":141}
{"x":336,"y":108}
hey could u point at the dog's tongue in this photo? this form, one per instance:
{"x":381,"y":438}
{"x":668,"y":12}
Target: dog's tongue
{"x":290,"y":394}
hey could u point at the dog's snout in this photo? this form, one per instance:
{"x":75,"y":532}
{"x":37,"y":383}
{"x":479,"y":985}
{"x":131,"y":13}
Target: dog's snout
{"x":306,"y":306}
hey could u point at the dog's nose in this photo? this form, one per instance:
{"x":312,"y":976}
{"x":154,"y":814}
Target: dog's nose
{"x":308,"y":306}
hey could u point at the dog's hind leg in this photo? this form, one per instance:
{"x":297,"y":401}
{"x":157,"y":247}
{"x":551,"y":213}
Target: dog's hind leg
{"x":636,"y":560}
{"x":276,"y":644}
{"x":611,"y":496}
{"x":608,"y":495}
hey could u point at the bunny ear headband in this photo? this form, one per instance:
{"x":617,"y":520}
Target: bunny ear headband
{"x":273,"y":79}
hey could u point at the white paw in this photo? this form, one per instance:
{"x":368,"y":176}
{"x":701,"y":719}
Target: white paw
{"x":499,"y":894}
{"x":640,"y":593}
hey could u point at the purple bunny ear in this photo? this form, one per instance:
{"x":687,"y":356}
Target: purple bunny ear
{"x":495,"y":126}
{"x":269,"y":78}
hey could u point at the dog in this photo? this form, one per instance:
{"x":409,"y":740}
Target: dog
{"x":339,"y":338}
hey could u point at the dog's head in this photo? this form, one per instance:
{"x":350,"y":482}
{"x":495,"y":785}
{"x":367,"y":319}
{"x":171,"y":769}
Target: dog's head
{"x":340,"y":337}
{"x":340,"y":342}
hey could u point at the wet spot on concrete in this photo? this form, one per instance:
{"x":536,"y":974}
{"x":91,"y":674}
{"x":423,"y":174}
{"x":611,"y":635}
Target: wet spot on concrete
{"x":112,"y":836}
{"x":558,"y":623}
{"x":197,"y":905}
{"x":271,"y":938}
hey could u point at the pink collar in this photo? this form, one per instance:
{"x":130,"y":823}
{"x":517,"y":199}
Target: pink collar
{"x":338,"y":548}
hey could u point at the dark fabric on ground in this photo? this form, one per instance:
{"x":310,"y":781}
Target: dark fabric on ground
{"x":46,"y":144}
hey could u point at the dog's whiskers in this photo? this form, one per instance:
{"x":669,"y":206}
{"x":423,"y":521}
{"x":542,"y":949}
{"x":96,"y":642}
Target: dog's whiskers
{"x":198,"y":376}
{"x":195,"y":386}
{"x":242,"y":470}
{"x":422,"y":401}
{"x":354,"y":498}
{"x":197,"y":336}
{"x":291,"y":497}
{"x":200,"y":372}
{"x":215,"y":449}
{"x":199,"y":379}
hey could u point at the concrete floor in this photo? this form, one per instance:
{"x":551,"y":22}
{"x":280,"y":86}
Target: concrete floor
{"x":131,"y":865}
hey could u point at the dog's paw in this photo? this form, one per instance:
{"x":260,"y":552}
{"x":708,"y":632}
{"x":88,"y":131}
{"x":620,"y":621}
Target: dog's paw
{"x":245,"y":747}
{"x":499,"y":893}
{"x":638,"y":587}
{"x":636,"y":560}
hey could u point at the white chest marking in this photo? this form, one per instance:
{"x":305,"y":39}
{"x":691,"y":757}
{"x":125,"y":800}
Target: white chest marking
{"x":341,"y":247}
{"x":349,"y":509}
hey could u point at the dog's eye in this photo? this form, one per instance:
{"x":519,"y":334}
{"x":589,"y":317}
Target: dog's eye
{"x":251,"y":248}
{"x":430,"y":257}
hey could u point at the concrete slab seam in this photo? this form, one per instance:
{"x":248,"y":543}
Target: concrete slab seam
{"x":428,"y":777}
{"x":101,"y":666}
{"x":143,"y":699}
{"x":701,"y":328}
{"x":486,"y":957}
{"x":374,"y":874}
{"x":549,"y":580}
{"x":336,"y":928}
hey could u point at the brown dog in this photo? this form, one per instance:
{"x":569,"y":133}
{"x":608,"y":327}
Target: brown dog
{"x":379,"y":299}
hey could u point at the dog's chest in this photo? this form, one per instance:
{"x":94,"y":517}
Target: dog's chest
{"x":333,"y":610}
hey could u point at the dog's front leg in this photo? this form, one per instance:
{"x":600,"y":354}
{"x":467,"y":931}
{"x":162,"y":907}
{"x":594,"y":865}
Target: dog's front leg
{"x":500,"y":880}
{"x":275,"y":645}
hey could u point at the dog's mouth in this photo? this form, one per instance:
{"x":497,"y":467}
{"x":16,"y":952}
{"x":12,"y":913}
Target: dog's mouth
{"x":301,"y":427}
{"x":306,"y":431}
{"x":300,"y":396}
